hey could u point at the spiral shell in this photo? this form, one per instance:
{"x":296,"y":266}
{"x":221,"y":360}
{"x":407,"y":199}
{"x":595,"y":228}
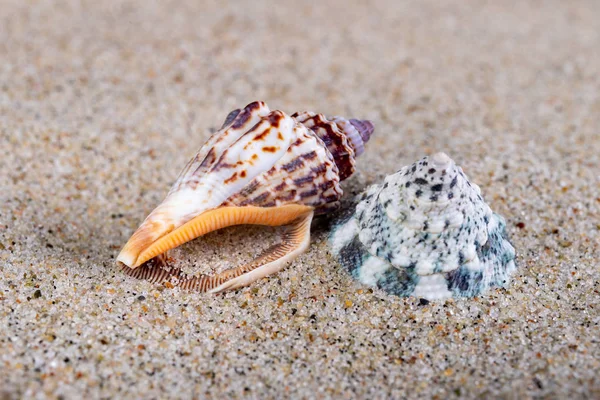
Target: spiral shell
{"x":263,"y":167}
{"x":427,"y":232}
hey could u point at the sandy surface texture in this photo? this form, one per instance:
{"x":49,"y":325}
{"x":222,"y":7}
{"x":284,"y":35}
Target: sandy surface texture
{"x":102,"y":105}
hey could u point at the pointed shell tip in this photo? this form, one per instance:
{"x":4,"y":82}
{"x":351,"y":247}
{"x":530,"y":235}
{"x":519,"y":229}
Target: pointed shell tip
{"x":441,"y":160}
{"x":364,"y":127}
{"x":125,"y":259}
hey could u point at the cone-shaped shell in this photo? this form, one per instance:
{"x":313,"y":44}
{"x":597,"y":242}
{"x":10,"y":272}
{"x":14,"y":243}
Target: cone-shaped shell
{"x":426,"y":231}
{"x":258,"y":158}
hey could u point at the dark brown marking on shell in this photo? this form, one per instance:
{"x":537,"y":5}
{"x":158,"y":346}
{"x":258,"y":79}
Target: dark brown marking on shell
{"x":304,"y":180}
{"x":232,"y":178}
{"x":319,"y":169}
{"x":230,"y":117}
{"x":325,"y":185}
{"x":280,"y":187}
{"x":279,"y":136}
{"x":220,"y":165}
{"x":310,"y":155}
{"x":262,"y":135}
{"x":242,"y":118}
{"x":245,"y":115}
{"x":270,"y":149}
{"x":275,"y":118}
{"x":249,"y":188}
{"x":289,"y":197}
{"x":296,"y":142}
{"x":255,"y":105}
{"x":309,"y":193}
{"x":293,"y":165}
{"x":272,"y":171}
{"x":208,"y":160}
{"x":243,"y":174}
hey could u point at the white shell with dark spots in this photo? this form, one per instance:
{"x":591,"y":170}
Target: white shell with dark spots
{"x":426,"y":232}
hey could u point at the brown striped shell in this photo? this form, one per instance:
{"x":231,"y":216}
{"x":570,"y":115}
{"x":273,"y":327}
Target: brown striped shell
{"x":318,"y":158}
{"x":259,"y":158}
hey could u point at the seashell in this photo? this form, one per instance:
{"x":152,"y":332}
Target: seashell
{"x":425,"y":232}
{"x":262,"y":167}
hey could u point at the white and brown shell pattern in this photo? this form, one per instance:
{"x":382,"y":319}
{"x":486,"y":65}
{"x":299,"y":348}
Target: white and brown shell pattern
{"x":262,"y":167}
{"x":425,"y":232}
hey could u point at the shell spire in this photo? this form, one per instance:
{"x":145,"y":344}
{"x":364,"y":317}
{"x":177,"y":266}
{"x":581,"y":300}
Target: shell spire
{"x":345,"y":139}
{"x":262,"y":167}
{"x":425,"y":232}
{"x":358,"y":134}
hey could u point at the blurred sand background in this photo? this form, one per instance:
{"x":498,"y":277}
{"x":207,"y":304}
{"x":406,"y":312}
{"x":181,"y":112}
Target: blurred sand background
{"x":102,"y":103}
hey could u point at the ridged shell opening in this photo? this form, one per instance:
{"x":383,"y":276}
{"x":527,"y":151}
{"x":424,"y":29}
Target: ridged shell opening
{"x":220,"y":218}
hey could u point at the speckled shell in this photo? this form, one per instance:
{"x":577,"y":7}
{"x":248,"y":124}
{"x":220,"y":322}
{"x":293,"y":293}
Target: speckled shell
{"x":426,"y":231}
{"x":264,"y":158}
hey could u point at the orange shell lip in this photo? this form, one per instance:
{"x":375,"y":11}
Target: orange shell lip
{"x":154,"y":238}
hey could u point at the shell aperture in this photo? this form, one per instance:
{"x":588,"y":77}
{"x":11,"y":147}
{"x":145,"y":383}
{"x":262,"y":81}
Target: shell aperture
{"x":262,"y":167}
{"x":426,"y":232}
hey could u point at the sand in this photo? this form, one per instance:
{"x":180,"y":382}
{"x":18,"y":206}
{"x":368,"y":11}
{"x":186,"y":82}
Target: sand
{"x":102,"y":105}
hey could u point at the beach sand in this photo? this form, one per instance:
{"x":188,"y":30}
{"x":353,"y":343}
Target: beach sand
{"x":101,"y":105}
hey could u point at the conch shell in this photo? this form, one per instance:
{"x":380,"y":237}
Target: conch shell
{"x":425,"y":232}
{"x":262,"y":167}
